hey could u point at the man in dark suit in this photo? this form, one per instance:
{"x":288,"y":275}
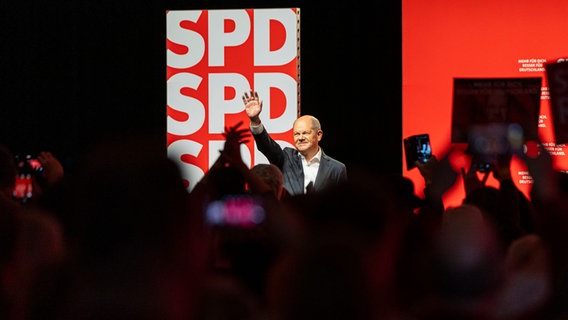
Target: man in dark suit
{"x":305,"y":168}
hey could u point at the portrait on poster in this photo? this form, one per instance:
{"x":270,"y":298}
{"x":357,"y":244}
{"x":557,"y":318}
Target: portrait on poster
{"x":495,"y":102}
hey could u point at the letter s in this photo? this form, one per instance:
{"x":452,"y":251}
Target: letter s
{"x":193,"y":107}
{"x":189,"y":172}
{"x":191,"y":39}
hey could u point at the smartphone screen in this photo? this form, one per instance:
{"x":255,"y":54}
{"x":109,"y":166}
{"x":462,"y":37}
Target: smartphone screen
{"x":242,"y":211}
{"x":417,"y":148}
{"x":27,"y":167}
{"x":488,"y":142}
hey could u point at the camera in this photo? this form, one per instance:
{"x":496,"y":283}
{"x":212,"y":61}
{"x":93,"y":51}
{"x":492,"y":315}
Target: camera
{"x":241,"y":211}
{"x":417,"y":148}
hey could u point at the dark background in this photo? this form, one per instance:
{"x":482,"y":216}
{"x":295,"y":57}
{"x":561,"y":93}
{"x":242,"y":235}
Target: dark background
{"x":75,"y":72}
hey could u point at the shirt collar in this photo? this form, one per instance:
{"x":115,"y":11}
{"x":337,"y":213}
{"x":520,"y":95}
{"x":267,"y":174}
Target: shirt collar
{"x":317,"y":157}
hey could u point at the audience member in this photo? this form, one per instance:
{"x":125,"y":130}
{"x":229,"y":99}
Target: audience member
{"x":272,"y":175}
{"x":240,"y":251}
{"x":527,"y":280}
{"x":31,"y":245}
{"x":345,"y":264}
{"x":424,"y":224}
{"x":548,"y":195}
{"x":501,"y":205}
{"x":466,"y":268}
{"x":132,"y":236}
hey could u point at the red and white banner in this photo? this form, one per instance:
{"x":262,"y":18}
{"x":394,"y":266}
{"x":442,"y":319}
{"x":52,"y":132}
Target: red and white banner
{"x":213,"y":58}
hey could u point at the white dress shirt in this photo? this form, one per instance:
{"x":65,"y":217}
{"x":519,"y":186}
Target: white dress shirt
{"x":310,"y":169}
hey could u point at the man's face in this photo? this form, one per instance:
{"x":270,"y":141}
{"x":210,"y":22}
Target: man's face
{"x":496,"y":109}
{"x":306,"y":139}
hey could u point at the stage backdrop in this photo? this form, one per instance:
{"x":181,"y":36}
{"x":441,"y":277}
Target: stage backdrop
{"x":213,"y":58}
{"x":443,"y":40}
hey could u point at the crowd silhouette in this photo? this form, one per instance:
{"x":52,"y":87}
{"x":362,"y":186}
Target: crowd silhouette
{"x":121,"y":237}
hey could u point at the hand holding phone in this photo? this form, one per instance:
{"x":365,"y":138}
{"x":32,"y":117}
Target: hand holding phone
{"x":28,"y":168}
{"x":489,"y":142}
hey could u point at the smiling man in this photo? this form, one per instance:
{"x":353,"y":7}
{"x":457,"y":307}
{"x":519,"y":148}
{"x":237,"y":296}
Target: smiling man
{"x":305,"y":168}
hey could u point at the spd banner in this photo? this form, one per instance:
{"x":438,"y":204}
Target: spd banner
{"x":213,"y":57}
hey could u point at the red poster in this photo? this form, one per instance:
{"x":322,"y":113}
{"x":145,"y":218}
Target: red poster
{"x":446,"y":39}
{"x":213,"y":57}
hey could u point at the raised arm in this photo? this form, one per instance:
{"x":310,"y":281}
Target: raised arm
{"x":231,"y":155}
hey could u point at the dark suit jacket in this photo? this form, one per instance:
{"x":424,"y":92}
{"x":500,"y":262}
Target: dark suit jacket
{"x":288,"y":159}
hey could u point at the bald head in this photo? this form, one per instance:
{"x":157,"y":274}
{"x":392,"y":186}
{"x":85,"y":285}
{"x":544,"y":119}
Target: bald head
{"x":311,"y":120}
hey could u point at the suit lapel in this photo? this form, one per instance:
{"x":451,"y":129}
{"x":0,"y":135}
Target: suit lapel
{"x":322,"y":172}
{"x":299,"y":173}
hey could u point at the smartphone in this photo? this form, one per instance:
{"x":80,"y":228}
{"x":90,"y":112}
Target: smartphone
{"x":241,"y":211}
{"x":488,"y":142}
{"x":28,"y":167}
{"x":417,"y":148}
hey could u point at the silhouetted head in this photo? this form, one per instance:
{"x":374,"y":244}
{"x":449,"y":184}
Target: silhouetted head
{"x":272,"y":175}
{"x":467,"y":254}
{"x":127,"y":196}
